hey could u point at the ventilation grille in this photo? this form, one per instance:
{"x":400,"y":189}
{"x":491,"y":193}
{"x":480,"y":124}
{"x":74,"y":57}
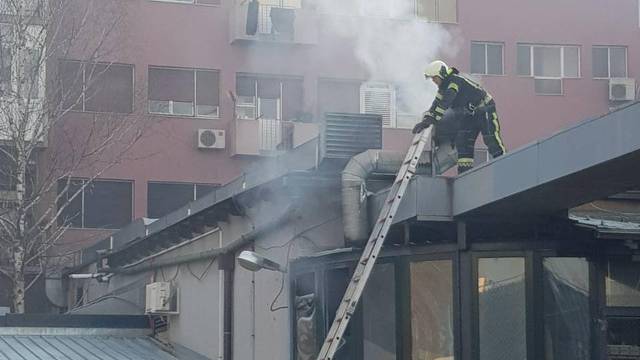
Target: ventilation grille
{"x":346,"y":135}
{"x":379,"y":98}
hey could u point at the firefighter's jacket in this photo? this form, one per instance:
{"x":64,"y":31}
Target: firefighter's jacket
{"x":459,"y":93}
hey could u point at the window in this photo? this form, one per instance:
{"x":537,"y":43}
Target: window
{"x":99,"y":87}
{"x":163,"y":198}
{"x":379,"y":98}
{"x":261,"y":97}
{"x":548,"y":64}
{"x":623,"y":283}
{"x":609,"y":62}
{"x":567,"y":319}
{"x":184,"y":92}
{"x":444,"y":11}
{"x":432,"y":310}
{"x":487,"y":58}
{"x":501,"y":300}
{"x":379,"y":314}
{"x":102,"y":204}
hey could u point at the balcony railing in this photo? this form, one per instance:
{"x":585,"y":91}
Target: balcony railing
{"x":268,"y":137}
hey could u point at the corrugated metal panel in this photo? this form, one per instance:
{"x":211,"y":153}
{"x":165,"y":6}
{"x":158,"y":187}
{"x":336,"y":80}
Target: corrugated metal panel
{"x":346,"y":135}
{"x":50,"y":347}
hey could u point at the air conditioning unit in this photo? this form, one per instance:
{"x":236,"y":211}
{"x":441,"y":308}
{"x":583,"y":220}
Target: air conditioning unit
{"x":622,"y":89}
{"x":161,"y":298}
{"x":211,"y":139}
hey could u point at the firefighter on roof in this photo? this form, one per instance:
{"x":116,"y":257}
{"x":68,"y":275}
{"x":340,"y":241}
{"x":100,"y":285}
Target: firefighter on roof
{"x":473,"y":107}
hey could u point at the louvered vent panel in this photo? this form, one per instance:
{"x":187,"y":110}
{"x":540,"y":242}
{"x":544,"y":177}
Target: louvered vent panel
{"x":346,"y":135}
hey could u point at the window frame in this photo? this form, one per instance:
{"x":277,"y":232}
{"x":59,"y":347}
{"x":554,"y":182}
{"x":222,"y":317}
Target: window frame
{"x":609,"y":47}
{"x":83,"y":91}
{"x":562,"y":77}
{"x":531,"y":47}
{"x":81,"y":195}
{"x":194,"y":108}
{"x":486,"y":57}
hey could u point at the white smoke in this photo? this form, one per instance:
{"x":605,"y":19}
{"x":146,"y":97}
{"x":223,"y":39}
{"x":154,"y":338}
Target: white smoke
{"x":391,"y":42}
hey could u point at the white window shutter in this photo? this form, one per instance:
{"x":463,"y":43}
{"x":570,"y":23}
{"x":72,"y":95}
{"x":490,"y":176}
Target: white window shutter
{"x":379,"y":98}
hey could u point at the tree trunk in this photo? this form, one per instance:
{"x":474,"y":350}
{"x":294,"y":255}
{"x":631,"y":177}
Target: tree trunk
{"x":17,"y":296}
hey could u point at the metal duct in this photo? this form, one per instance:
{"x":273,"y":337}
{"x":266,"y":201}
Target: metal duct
{"x":354,"y":189}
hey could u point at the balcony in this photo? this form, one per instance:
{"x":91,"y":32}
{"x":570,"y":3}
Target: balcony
{"x":266,"y":137}
{"x":278,"y":21}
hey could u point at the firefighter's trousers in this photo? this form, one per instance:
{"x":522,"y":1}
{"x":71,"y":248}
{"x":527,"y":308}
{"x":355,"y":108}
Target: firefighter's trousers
{"x":483,"y":120}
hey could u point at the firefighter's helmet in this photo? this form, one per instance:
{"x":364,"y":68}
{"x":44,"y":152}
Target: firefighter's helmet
{"x":436,"y":68}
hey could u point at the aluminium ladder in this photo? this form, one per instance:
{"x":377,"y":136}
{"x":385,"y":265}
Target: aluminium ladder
{"x":374,"y":245}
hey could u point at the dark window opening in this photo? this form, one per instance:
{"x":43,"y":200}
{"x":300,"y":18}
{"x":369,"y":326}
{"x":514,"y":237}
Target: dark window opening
{"x":102,"y":204}
{"x":98,"y":87}
{"x":163,"y":198}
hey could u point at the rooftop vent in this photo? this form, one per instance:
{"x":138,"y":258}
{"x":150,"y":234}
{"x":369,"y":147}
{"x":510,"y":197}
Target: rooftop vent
{"x":346,"y":135}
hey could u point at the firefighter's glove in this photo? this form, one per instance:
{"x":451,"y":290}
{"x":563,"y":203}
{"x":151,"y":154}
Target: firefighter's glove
{"x":427,"y":120}
{"x":420,"y":126}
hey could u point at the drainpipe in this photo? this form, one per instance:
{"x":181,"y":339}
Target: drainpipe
{"x":227,"y":265}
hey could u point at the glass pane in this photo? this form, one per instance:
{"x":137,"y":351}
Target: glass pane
{"x":163,"y":198}
{"x":72,"y":213}
{"x":623,"y":337}
{"x":432,"y":310}
{"x":548,"y":86}
{"x":182,"y":108}
{"x":502,"y":313}
{"x":567,"y":318}
{"x":159,"y":106}
{"x":70,"y":79}
{"x":524,"y":60}
{"x":379,"y":314}
{"x":623,"y":283}
{"x":108,"y":204}
{"x":209,"y":111}
{"x":494,"y":59}
{"x":478,"y":60}
{"x":207,"y":88}
{"x":336,"y":284}
{"x":171,"y":84}
{"x":571,"y":62}
{"x":427,"y":10}
{"x":447,"y":11}
{"x":5,"y":58}
{"x":618,"y":62}
{"x":109,"y":88}
{"x":269,"y":109}
{"x":546,"y":61}
{"x":600,"y":62}
{"x":306,"y":315}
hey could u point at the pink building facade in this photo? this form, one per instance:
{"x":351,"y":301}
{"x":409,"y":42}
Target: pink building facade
{"x":547,"y":64}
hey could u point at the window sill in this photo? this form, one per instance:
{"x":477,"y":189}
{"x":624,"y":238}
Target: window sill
{"x":185,"y":116}
{"x":100,"y":112}
{"x":173,"y":2}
